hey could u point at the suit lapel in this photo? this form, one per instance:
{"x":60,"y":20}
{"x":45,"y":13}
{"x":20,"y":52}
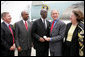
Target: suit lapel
{"x":28,"y":25}
{"x":41,"y":24}
{"x":6,"y":28}
{"x":47,"y":24}
{"x":55,"y":25}
{"x":13,"y":29}
{"x":23,"y":25}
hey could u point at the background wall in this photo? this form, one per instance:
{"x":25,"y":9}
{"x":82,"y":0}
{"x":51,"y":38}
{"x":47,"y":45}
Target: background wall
{"x":15,"y":8}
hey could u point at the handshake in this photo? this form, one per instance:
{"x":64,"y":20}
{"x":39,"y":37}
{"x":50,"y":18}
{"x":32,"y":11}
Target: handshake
{"x":45,"y":38}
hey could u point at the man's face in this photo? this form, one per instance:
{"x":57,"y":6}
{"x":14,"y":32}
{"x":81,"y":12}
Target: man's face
{"x":7,"y":18}
{"x":25,"y":16}
{"x":54,"y":14}
{"x":44,"y":14}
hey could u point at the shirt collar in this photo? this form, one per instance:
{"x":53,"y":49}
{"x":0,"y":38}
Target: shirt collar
{"x":6,"y":24}
{"x":24,"y":21}
{"x":55,"y":20}
{"x":43,"y":19}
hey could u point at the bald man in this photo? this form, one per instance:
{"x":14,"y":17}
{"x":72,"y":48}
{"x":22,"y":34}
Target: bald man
{"x":41,"y":29}
{"x":57,"y":34}
{"x":23,"y":35}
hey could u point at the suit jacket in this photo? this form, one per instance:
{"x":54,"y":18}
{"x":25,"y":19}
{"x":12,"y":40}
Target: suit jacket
{"x":6,"y":38}
{"x":73,"y":45}
{"x":57,"y":36}
{"x":23,"y":37}
{"x":38,"y":30}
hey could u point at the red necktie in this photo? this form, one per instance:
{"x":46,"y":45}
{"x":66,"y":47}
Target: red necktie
{"x":11,"y":33}
{"x":26,"y":26}
{"x":52,"y":26}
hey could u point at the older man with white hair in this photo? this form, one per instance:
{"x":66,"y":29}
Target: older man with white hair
{"x":7,"y":40}
{"x":56,"y":34}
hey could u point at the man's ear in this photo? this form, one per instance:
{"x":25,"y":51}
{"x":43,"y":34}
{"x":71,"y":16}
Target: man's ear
{"x":3,"y":18}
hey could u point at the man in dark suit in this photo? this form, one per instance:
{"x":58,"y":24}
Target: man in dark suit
{"x":41,"y":29}
{"x":23,"y":35}
{"x":56,"y":35}
{"x":7,"y":36}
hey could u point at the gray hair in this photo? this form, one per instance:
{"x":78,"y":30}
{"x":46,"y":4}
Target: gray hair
{"x":4,"y":14}
{"x":54,"y":10}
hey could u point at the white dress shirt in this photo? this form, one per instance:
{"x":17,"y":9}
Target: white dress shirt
{"x":45,"y":22}
{"x":24,"y":22}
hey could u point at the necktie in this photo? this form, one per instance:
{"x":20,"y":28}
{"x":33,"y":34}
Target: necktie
{"x":44,"y":24}
{"x":52,"y":26}
{"x":26,"y":26}
{"x":11,"y":33}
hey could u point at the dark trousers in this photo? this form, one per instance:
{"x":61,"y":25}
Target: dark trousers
{"x":55,"y":53}
{"x":25,"y":53}
{"x":42,"y":52}
{"x":71,"y":51}
{"x":7,"y":53}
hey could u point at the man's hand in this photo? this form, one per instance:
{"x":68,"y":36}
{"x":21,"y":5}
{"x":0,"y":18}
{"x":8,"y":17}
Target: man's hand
{"x":12,"y":47}
{"x":41,"y":39}
{"x":19,"y":48}
{"x":48,"y":39}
